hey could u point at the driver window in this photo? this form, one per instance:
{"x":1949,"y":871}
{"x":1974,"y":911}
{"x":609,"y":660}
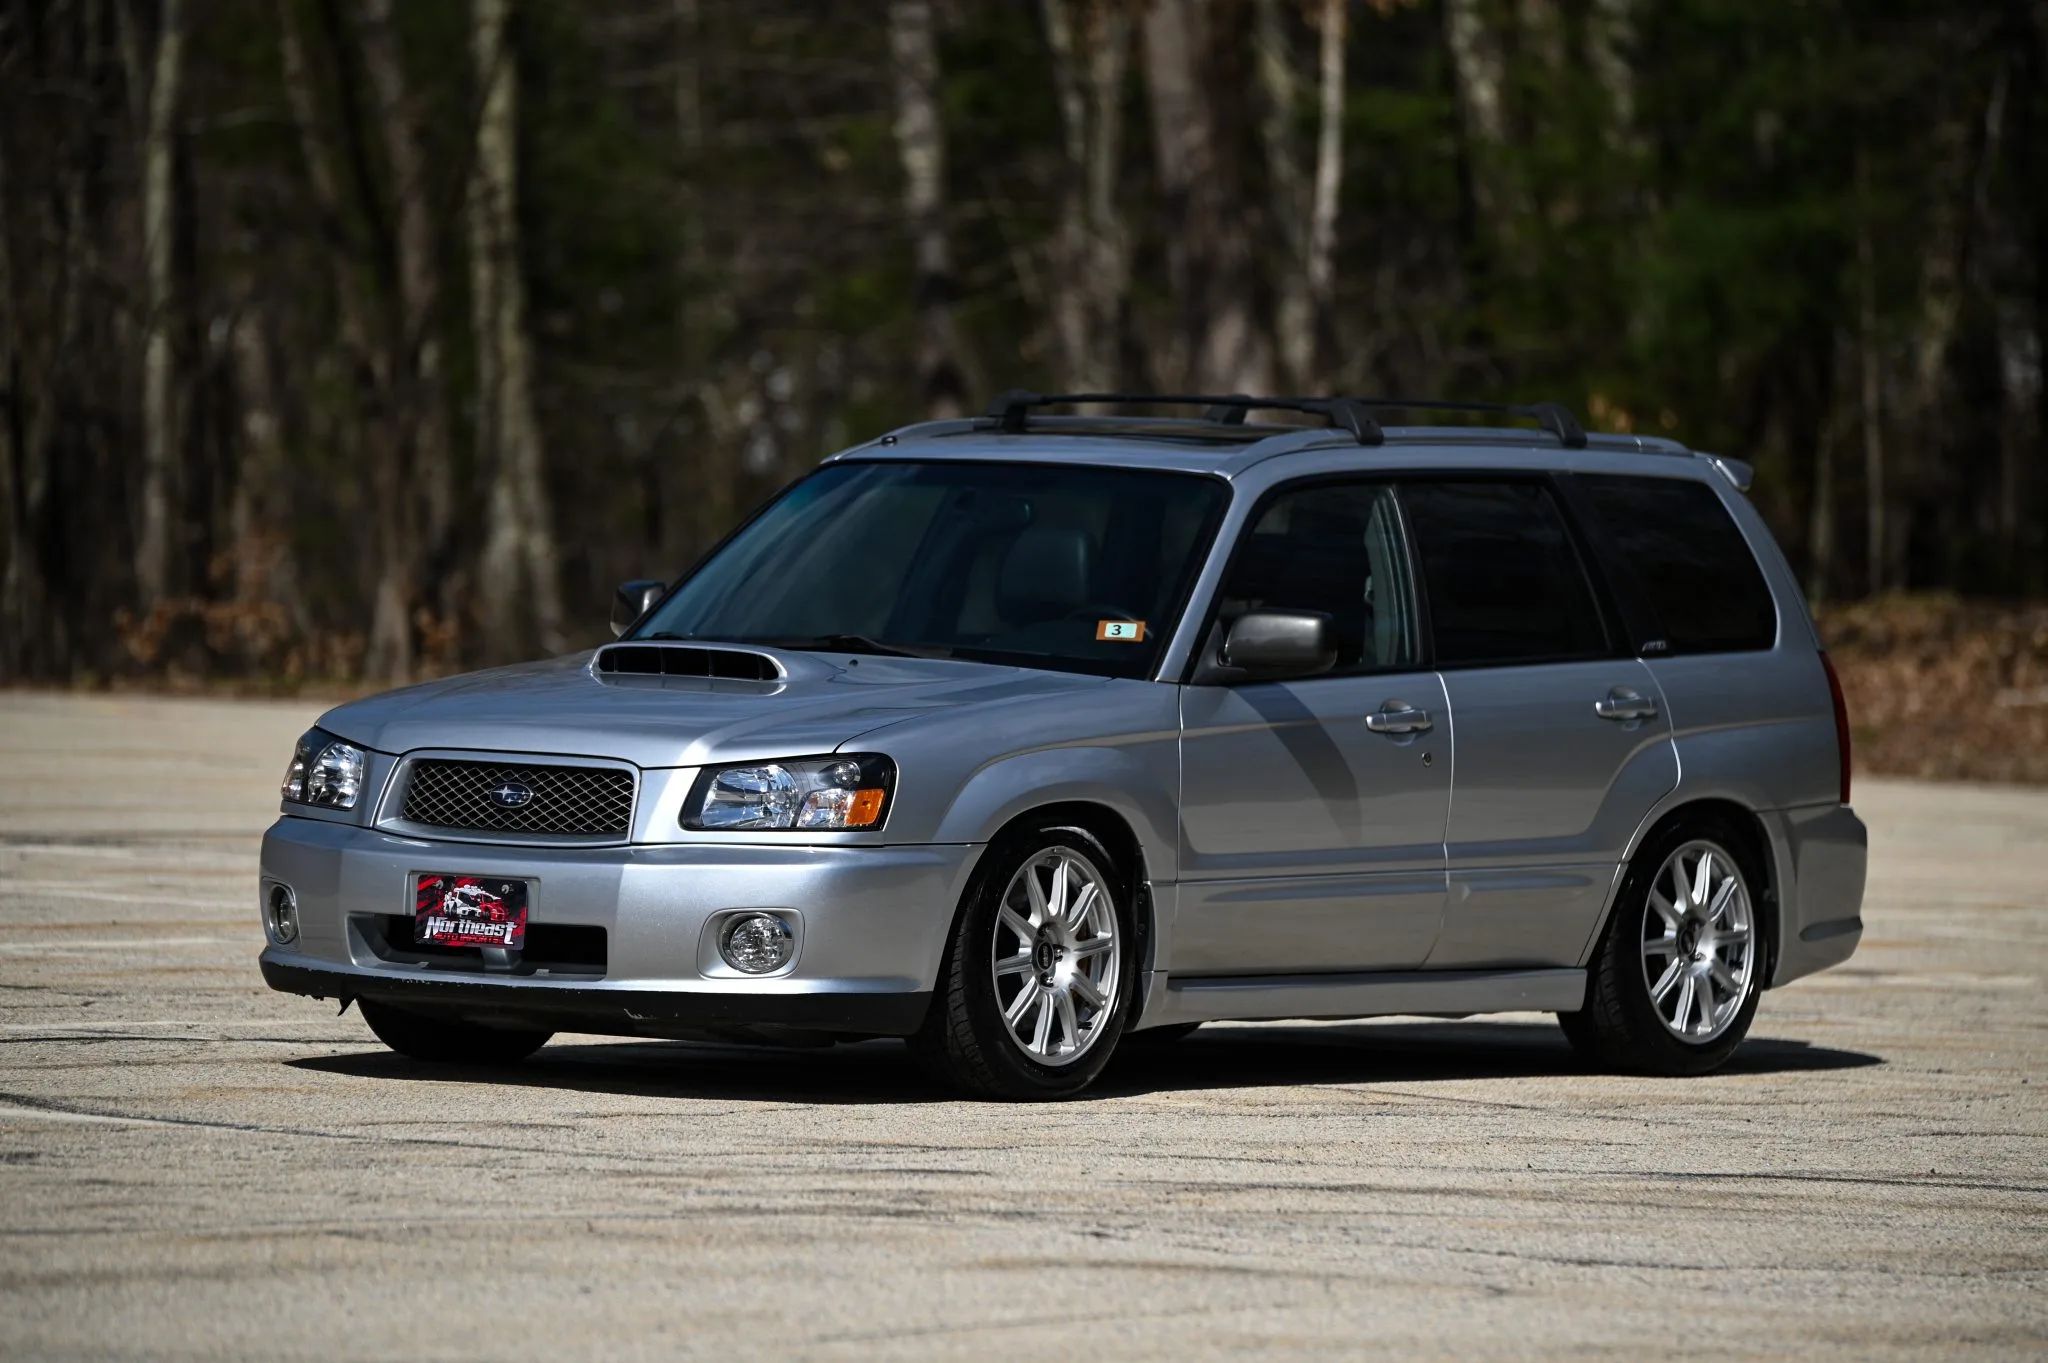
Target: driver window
{"x":1334,"y":548}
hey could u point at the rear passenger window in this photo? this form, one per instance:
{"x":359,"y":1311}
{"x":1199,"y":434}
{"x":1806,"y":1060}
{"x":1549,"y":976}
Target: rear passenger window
{"x":1687,"y":560}
{"x":1334,"y":548}
{"x":1502,"y":575}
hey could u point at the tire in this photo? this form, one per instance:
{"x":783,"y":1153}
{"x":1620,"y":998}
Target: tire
{"x":445,"y":1041}
{"x":990,"y":967}
{"x":1651,"y":965}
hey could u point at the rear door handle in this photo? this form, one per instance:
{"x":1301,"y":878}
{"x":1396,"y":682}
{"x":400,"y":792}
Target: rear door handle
{"x":1625,"y":702}
{"x":1399,"y":717}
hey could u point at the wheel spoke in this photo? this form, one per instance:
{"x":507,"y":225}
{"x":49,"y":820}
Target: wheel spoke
{"x":1068,"y":1021}
{"x":1090,"y":995}
{"x":1705,"y":995}
{"x":1037,"y":893}
{"x":1021,"y":1005}
{"x":1094,"y":946}
{"x":1723,"y":897}
{"x":1010,"y":919}
{"x":1734,"y":937}
{"x":1662,"y":988}
{"x":1013,"y":965}
{"x":1083,"y":905}
{"x":1724,"y":977}
{"x":1056,"y":897}
{"x":1702,"y":878}
{"x":1683,"y":1017}
{"x":1667,"y":945}
{"x":1667,"y":911}
{"x":1041,"y":1032}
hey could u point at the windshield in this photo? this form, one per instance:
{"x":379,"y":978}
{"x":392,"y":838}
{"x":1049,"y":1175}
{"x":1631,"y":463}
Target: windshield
{"x":1078,"y":569}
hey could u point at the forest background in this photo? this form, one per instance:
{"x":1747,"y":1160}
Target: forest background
{"x":344,"y":342}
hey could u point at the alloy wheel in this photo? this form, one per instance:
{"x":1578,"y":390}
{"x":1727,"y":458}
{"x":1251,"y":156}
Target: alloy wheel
{"x":1056,"y":957}
{"x":1698,"y":942}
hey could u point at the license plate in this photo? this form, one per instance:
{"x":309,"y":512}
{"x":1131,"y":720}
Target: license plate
{"x":455,"y":910}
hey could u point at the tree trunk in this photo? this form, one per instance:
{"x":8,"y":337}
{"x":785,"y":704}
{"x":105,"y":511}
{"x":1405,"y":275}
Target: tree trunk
{"x":154,"y":567}
{"x":1091,"y":275}
{"x":1209,"y":262}
{"x":1479,"y":68}
{"x":263,"y":567}
{"x":521,"y":583}
{"x":1306,"y":213}
{"x":1870,"y":382}
{"x":419,"y":409}
{"x":921,"y":146}
{"x":1611,"y":52}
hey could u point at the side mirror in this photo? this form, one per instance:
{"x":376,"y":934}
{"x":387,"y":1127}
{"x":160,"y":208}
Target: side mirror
{"x":1277,"y":644}
{"x":634,"y":600}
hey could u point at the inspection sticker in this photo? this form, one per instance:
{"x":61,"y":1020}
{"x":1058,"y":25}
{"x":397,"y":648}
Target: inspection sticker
{"x":1120,"y":631}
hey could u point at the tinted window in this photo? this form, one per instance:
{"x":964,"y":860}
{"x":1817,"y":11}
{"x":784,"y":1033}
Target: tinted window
{"x":1334,"y":548}
{"x":1687,"y":561}
{"x":1079,"y":569}
{"x":1503,"y":578}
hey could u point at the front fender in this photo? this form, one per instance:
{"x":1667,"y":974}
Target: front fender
{"x":1134,"y":783}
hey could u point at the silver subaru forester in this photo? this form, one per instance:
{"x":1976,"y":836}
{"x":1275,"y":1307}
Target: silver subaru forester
{"x":1014,"y":736}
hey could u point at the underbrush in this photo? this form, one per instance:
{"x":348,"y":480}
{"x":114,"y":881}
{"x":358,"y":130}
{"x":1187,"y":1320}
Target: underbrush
{"x":1944,"y":688}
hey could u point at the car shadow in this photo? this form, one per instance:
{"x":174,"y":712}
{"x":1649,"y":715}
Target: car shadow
{"x":1220,"y":1056}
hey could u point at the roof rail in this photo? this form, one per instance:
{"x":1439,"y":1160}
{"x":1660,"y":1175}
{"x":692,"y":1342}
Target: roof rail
{"x":1554,"y":417}
{"x":1011,"y":409}
{"x":1353,"y":414}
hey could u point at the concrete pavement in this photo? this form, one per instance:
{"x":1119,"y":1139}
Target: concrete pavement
{"x":193,"y":1167}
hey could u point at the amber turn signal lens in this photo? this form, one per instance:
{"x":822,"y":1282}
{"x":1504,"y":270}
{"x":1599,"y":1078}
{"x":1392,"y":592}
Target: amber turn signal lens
{"x":865,"y":809}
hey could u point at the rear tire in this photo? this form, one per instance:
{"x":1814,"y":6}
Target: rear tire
{"x":1039,"y":974}
{"x":444,"y":1041}
{"x":1675,"y":981}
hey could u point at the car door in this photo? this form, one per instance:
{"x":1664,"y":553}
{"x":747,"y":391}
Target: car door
{"x":1312,"y":817}
{"x":1562,"y":743}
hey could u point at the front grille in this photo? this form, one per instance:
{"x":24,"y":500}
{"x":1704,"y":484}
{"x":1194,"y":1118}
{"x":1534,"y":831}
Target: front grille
{"x":585,"y":801}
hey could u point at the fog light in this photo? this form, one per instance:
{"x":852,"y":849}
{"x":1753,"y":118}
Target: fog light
{"x":756,"y":943}
{"x":281,"y":914}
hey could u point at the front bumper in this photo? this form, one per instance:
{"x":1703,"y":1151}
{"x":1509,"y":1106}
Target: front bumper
{"x":871,"y":925}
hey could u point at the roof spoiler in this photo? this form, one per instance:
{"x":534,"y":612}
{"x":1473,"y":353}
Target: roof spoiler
{"x":1734,"y":470}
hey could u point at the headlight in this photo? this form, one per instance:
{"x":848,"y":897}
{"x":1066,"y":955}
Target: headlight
{"x":800,"y":794}
{"x":325,"y":771}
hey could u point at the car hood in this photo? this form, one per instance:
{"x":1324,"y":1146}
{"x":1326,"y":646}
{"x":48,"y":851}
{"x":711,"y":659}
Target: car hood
{"x":562,"y":706}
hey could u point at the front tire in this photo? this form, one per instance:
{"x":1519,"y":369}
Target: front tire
{"x":1037,"y":980}
{"x":1675,"y":981}
{"x":445,"y":1041}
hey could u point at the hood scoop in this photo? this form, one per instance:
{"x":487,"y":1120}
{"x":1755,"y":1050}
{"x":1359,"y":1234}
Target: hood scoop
{"x":685,"y":660}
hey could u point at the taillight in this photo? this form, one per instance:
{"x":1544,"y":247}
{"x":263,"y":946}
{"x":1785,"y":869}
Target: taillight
{"x":1841,"y":719}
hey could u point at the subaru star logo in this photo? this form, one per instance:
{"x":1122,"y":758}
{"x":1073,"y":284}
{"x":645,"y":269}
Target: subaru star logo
{"x":511,"y":794}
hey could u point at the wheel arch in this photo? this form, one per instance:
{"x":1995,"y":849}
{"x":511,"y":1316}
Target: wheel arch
{"x":1109,"y":826}
{"x":1743,"y":823}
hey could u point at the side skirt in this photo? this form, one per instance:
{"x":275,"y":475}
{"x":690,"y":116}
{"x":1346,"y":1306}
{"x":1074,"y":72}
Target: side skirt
{"x":1380,"y":994}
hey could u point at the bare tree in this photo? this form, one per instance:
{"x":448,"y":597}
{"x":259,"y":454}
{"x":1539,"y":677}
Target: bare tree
{"x":419,"y":410}
{"x":921,"y":146}
{"x":1219,"y":344}
{"x":1306,"y":213}
{"x":1090,"y":41}
{"x":1479,"y":68}
{"x":1610,"y":50}
{"x":518,"y":573}
{"x":160,"y":443}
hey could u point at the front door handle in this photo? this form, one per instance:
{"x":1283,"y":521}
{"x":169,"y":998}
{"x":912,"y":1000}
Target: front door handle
{"x":1625,"y":702}
{"x":1399,"y":717}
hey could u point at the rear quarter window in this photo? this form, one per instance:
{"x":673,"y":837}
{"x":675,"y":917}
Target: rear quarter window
{"x":1687,"y":562}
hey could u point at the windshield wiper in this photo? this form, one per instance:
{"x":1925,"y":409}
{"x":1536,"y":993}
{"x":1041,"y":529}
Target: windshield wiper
{"x":848,"y":643}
